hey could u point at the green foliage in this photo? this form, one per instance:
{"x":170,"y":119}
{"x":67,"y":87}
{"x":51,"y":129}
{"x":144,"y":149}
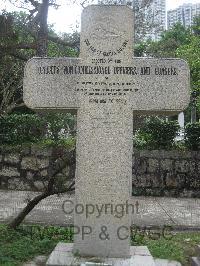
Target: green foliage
{"x":16,"y":129}
{"x":59,"y":126}
{"x":69,"y":143}
{"x":180,"y":247}
{"x":192,"y":136}
{"x":191,"y":53}
{"x":28,"y":241}
{"x":156,"y":134}
{"x":18,"y":246}
{"x":169,"y":42}
{"x":196,"y":26}
{"x":18,"y":43}
{"x":52,"y":128}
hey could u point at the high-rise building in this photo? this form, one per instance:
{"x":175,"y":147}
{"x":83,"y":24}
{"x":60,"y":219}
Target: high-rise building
{"x":154,"y":15}
{"x":184,"y":14}
{"x":158,"y":9}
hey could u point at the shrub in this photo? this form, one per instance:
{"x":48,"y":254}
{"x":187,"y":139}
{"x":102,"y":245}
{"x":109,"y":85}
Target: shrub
{"x":59,"y":125}
{"x":192,"y":136}
{"x":20,"y":128}
{"x":156,"y":134}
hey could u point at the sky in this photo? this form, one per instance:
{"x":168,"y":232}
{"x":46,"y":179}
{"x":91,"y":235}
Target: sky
{"x":67,"y":17}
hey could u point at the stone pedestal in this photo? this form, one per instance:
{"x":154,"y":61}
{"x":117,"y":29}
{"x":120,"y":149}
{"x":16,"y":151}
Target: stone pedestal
{"x":63,"y":256}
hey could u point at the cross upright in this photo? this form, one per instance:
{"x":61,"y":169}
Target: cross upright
{"x":106,"y":86}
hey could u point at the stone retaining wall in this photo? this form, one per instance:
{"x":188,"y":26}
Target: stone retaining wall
{"x":166,"y":173}
{"x":156,"y":173}
{"x":26,"y":169}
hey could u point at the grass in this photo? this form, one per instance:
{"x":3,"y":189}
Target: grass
{"x":68,"y":143}
{"x":28,"y":241}
{"x":179,"y":246}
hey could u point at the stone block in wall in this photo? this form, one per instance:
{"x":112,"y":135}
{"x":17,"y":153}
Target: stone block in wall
{"x":181,"y":180}
{"x":34,"y":163}
{"x":153,"y":165}
{"x":29,"y":175}
{"x":141,"y":166}
{"x":170,"y":180}
{"x":1,"y":157}
{"x":12,"y":158}
{"x":4,"y":182}
{"x":182,"y":166}
{"x":156,"y":180}
{"x":140,"y":181}
{"x":175,"y":181}
{"x":198,"y":167}
{"x":166,"y":165}
{"x":41,"y":151}
{"x":18,"y":184}
{"x":194,"y":181}
{"x":9,"y":172}
{"x":25,"y":151}
{"x":134,"y":180}
{"x":44,"y":173}
{"x":148,"y":181}
{"x":40,"y":185}
{"x":192,"y":167}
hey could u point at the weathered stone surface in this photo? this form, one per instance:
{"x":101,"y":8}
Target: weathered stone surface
{"x":163,"y":262}
{"x":171,"y":181}
{"x":195,"y":261}
{"x":17,"y":184}
{"x":41,"y":151}
{"x":141,"y":166}
{"x":63,"y":256}
{"x":9,"y":172}
{"x":166,"y":164}
{"x":153,"y":165}
{"x":34,"y":163}
{"x":187,"y":184}
{"x":40,"y":260}
{"x":29,"y":175}
{"x":44,"y":173}
{"x":106,"y":86}
{"x":12,"y":158}
{"x":182,"y":166}
{"x":39,"y":185}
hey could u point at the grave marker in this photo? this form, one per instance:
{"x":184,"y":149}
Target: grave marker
{"x":106,"y":86}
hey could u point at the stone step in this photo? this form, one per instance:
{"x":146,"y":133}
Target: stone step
{"x":162,"y":262}
{"x":195,"y":261}
{"x":62,"y":255}
{"x":30,"y":263}
{"x":38,"y":261}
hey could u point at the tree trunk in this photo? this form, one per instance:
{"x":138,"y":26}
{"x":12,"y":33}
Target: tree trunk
{"x":20,"y":217}
{"x":42,"y":38}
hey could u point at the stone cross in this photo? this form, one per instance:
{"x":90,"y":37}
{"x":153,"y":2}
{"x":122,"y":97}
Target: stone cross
{"x":106,"y":85}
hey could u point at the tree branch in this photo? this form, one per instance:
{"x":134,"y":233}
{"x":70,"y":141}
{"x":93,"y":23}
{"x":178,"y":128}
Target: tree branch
{"x":58,"y":40}
{"x":18,"y":46}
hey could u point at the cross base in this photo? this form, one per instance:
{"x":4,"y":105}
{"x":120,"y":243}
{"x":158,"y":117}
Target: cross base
{"x":63,"y":255}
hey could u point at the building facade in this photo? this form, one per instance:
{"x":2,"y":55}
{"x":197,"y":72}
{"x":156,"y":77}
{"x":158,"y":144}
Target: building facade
{"x":184,"y":14}
{"x":158,"y":9}
{"x":154,"y":14}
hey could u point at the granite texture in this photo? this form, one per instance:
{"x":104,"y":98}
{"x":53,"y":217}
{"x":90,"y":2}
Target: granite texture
{"x":63,"y":255}
{"x":106,"y":72}
{"x":106,"y":85}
